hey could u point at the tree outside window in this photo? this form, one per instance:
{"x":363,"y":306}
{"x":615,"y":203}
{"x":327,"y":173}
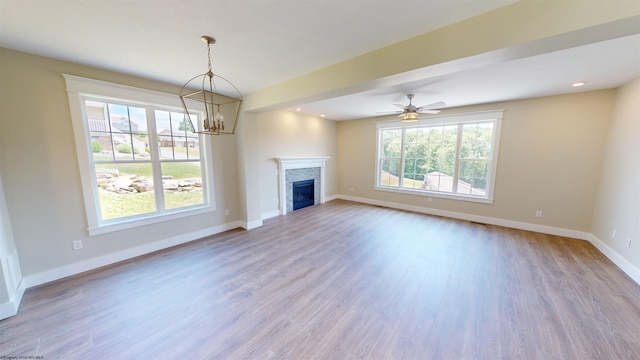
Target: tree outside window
{"x":452,"y":157}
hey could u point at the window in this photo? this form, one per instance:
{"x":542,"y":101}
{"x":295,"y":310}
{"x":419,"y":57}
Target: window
{"x":449,"y":156}
{"x":140,"y":163}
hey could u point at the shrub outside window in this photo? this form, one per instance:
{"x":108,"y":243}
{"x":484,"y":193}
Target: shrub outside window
{"x":448,"y":156}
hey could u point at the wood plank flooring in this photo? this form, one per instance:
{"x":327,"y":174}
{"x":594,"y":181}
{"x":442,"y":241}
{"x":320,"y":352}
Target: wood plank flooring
{"x":342,"y":280}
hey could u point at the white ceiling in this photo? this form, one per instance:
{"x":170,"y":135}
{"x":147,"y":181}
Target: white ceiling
{"x":265,"y":42}
{"x":601,"y":65}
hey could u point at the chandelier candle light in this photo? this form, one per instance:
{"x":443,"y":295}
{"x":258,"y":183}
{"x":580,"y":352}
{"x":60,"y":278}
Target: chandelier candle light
{"x":218,"y":108}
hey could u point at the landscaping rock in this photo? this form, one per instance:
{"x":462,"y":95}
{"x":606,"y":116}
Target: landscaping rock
{"x":170,"y":185}
{"x":110,"y":180}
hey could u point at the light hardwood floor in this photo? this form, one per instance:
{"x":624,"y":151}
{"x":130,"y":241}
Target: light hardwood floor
{"x":342,"y":281}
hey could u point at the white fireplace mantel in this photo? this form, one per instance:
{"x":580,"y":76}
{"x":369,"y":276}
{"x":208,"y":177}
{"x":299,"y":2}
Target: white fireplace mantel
{"x":285,"y":163}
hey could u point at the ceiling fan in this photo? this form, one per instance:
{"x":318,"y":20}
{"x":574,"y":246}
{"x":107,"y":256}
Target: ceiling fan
{"x":411,"y":112}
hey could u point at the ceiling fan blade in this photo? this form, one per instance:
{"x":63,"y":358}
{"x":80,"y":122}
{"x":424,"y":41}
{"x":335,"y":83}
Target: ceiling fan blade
{"x":400,"y":106}
{"x":428,"y":111}
{"x":432,"y":106}
{"x":389,"y":112}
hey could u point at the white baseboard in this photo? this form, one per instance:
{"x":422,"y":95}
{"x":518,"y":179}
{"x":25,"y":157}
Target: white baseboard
{"x":91,"y":264}
{"x":251,"y":224}
{"x":476,"y":218}
{"x":270,"y":214}
{"x":616,"y":258}
{"x":331,"y":197}
{"x":10,"y":308}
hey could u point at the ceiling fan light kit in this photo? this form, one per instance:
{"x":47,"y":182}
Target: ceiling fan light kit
{"x":411,"y":113}
{"x":409,"y":117}
{"x":218,"y":108}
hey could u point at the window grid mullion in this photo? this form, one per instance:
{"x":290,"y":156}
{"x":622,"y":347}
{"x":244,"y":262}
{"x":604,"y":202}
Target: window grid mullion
{"x":156,"y":168}
{"x":456,"y":165}
{"x":470,"y":172}
{"x":383,"y":158}
{"x":133,"y":148}
{"x":403,"y":142}
{"x":113,"y":144}
{"x":86,"y":96}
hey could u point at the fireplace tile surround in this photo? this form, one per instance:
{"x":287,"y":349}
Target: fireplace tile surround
{"x":292,"y":169}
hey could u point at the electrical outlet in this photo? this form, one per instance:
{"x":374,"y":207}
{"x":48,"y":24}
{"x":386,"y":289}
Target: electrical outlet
{"x":613,"y":234}
{"x":539,"y":213}
{"x":77,"y":245}
{"x":429,"y":199}
{"x":226,"y":212}
{"x":351,"y":189}
{"x":628,"y":243}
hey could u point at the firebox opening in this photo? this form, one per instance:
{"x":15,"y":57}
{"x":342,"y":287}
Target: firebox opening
{"x":303,"y":194}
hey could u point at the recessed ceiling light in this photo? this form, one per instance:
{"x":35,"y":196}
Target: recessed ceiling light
{"x":578,"y":84}
{"x":321,"y":115}
{"x":298,"y":109}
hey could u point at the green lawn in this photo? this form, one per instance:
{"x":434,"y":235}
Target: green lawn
{"x":194,"y":153}
{"x":180,"y":199}
{"x":176,"y":169}
{"x":118,"y":205}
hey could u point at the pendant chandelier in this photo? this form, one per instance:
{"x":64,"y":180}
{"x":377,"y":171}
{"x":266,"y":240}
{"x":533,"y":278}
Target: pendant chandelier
{"x":220,"y":111}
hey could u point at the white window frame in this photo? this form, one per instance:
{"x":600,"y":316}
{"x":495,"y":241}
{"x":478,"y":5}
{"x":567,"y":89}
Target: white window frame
{"x":78,"y":89}
{"x":494,"y":116}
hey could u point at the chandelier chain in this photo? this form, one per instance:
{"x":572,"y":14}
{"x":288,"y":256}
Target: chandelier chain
{"x":209,"y":55}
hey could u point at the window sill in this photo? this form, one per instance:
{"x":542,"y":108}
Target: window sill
{"x":436,"y":194}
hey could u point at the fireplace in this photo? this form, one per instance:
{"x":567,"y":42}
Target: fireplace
{"x":292,"y":170}
{"x":302,"y":194}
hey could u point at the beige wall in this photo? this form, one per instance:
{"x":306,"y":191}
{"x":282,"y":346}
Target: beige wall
{"x":552,"y":153}
{"x":291,"y":134}
{"x":248,"y":155}
{"x":41,"y":174}
{"x":550,"y":159}
{"x":618,"y":201}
